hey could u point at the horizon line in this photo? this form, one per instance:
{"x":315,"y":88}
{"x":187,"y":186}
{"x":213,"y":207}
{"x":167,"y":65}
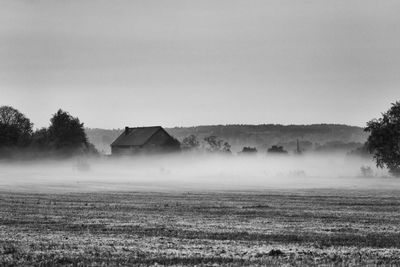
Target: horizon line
{"x":235,"y":124}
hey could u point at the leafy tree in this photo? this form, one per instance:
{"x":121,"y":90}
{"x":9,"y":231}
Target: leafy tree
{"x":15,"y":128}
{"x":384,"y":139}
{"x":277,"y":149}
{"x":40,"y":139}
{"x":226,"y":147}
{"x":67,"y":133}
{"x":190,"y":142}
{"x":217,"y":145}
{"x":249,"y":150}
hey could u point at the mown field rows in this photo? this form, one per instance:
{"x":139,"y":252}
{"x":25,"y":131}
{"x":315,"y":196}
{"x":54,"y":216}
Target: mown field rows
{"x":309,"y":227}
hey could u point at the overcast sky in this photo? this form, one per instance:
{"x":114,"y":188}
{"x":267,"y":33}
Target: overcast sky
{"x":181,"y":63}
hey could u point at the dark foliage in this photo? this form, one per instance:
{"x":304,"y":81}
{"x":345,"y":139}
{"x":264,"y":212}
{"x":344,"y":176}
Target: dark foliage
{"x":66,"y":132}
{"x":215,"y":144}
{"x":15,"y":128}
{"x":249,"y":150}
{"x":384,"y":139}
{"x":40,"y":139}
{"x":275,"y":253}
{"x":277,"y":149}
{"x":64,"y":137}
{"x":190,"y":142}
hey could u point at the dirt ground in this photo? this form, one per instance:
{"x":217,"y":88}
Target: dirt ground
{"x":269,"y":227}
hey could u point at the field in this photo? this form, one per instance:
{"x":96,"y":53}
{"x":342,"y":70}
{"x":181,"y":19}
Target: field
{"x":266,"y":227}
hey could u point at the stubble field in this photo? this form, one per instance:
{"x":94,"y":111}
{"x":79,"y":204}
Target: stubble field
{"x":268,"y":227}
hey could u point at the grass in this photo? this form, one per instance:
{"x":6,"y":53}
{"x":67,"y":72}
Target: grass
{"x":297,"y":228}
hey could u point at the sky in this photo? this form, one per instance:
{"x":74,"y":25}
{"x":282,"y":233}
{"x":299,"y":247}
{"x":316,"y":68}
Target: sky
{"x":186,"y":62}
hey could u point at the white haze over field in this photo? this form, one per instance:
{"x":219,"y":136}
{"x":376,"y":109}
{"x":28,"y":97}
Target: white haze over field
{"x":186,"y":172}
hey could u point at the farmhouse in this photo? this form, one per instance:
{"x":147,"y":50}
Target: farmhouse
{"x":144,"y":140}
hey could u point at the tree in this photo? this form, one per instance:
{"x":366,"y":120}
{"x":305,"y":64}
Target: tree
{"x":67,"y":133}
{"x":384,"y":139}
{"x":217,"y":145}
{"x":15,"y":128}
{"x":249,"y":150}
{"x":277,"y":149}
{"x":226,"y":147}
{"x":190,"y":142}
{"x":40,"y":139}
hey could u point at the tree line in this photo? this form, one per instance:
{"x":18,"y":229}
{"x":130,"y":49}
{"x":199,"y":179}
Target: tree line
{"x":214,"y":144}
{"x":383,"y":141}
{"x":65,"y":136}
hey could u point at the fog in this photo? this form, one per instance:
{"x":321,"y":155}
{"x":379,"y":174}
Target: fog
{"x":188,"y":172}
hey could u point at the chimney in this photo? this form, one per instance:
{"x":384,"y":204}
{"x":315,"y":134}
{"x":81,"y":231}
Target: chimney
{"x":126,"y":130}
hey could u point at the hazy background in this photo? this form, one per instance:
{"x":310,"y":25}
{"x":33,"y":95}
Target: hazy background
{"x":194,"y":172}
{"x":180,"y":63}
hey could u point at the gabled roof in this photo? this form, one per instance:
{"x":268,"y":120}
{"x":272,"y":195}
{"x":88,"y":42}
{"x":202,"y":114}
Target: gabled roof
{"x":136,"y":136}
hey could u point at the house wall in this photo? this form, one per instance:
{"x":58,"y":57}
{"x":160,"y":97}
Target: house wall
{"x":126,"y":150}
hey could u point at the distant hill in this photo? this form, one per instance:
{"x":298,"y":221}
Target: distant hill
{"x":318,"y":137}
{"x":102,"y":138}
